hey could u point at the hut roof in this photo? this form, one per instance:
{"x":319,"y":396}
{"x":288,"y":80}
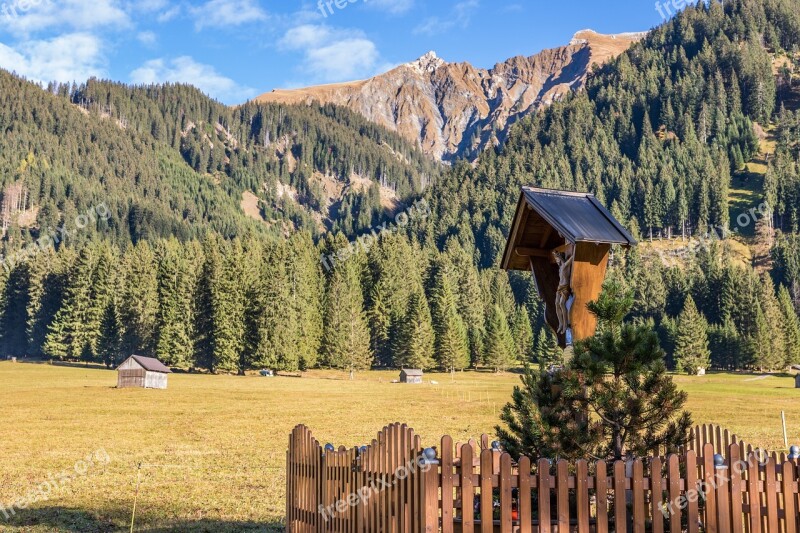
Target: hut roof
{"x":412,"y":371}
{"x":546,"y":216}
{"x":151,"y":364}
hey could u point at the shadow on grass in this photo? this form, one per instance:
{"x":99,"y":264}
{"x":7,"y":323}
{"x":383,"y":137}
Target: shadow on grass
{"x":70,"y":520}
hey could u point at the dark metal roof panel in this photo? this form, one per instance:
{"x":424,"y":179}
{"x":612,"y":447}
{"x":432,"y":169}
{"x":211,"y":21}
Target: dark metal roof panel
{"x":579,"y":217}
{"x":152,"y":365}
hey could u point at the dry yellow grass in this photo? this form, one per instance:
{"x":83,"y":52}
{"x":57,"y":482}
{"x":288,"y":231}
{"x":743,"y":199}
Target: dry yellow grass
{"x":213,"y":446}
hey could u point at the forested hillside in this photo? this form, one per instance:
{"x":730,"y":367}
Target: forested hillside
{"x":169,"y":161}
{"x":658,"y":136}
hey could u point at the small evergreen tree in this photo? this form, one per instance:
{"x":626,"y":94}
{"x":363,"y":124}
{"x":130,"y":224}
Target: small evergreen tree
{"x":548,"y":353}
{"x":523,"y":333}
{"x":415,"y":339}
{"x":691,"y":342}
{"x":499,"y":346}
{"x":613,"y":399}
{"x":791,"y":327}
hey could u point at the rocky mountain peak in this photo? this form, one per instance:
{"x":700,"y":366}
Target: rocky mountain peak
{"x":427,"y":63}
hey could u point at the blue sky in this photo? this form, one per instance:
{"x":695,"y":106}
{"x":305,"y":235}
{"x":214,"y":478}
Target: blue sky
{"x":237,"y":49}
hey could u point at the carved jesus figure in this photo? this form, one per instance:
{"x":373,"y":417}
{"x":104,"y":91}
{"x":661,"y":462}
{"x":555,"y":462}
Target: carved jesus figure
{"x":563,"y":293}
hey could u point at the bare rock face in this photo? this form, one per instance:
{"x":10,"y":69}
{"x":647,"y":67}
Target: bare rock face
{"x":454,"y":110}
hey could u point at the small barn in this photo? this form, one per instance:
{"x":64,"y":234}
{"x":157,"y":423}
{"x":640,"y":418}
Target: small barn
{"x":411,"y":375}
{"x":142,"y":372}
{"x":797,"y":381}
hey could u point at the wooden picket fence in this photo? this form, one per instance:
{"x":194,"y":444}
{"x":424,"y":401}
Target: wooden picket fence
{"x":721,"y":439}
{"x":394,"y":485}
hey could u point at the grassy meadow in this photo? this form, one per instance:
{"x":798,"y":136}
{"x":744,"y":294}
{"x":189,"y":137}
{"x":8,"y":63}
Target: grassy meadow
{"x":212,"y":447}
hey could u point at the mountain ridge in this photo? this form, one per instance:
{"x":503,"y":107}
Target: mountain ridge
{"x":457,"y":110}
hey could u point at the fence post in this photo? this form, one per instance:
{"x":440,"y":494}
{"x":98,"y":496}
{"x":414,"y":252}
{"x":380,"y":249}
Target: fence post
{"x":429,"y":490}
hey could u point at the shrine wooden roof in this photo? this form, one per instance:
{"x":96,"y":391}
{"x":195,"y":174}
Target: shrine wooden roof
{"x":546,"y":219}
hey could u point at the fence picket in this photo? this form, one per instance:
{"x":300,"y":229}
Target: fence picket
{"x":673,"y":507}
{"x":638,"y":496}
{"x":543,"y":491}
{"x":754,"y":494}
{"x":692,"y":511}
{"x":446,"y":460}
{"x":789,"y":498}
{"x":506,"y":503}
{"x":620,"y":497}
{"x":467,"y":490}
{"x":487,"y":525}
{"x":735,"y":470}
{"x":562,"y":494}
{"x":656,"y":495}
{"x":582,"y":495}
{"x":601,"y":495}
{"x":771,"y":493}
{"x":524,"y":496}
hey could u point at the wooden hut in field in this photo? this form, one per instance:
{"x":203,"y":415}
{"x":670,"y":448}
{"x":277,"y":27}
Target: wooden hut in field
{"x":142,"y":372}
{"x":411,"y":375}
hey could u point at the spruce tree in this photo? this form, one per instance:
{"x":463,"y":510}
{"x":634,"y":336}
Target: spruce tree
{"x":451,"y":346}
{"x":499,"y":348}
{"x":415,"y":340}
{"x":691,"y":342}
{"x":547,"y":352}
{"x":791,"y":327}
{"x":346,"y":342}
{"x":523,"y":334}
{"x":138,"y":300}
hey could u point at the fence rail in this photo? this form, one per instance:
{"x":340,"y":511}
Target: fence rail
{"x":395,"y":485}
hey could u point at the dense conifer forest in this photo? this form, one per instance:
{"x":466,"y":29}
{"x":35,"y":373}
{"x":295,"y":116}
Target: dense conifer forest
{"x":178,"y":271}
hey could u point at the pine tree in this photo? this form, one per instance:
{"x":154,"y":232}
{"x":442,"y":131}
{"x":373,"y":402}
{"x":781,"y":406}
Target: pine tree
{"x":548,"y":353}
{"x":726,"y":346}
{"x":346,"y":342}
{"x":415,"y":340}
{"x":110,"y":343}
{"x":176,"y":281}
{"x":523,"y":334}
{"x":307,"y":288}
{"x":138,"y":300}
{"x":499,"y":349}
{"x":791,"y":327}
{"x":273,"y":321}
{"x":451,"y":346}
{"x":773,"y":357}
{"x":691,"y":343}
{"x":618,"y":383}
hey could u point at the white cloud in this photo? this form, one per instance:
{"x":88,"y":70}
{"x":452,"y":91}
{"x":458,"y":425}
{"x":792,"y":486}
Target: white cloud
{"x":330,"y":54}
{"x":184,"y":69}
{"x":169,"y":14}
{"x":48,"y":60}
{"x":147,"y":38}
{"x":226,"y":13}
{"x":460,"y":16}
{"x":81,"y":15}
